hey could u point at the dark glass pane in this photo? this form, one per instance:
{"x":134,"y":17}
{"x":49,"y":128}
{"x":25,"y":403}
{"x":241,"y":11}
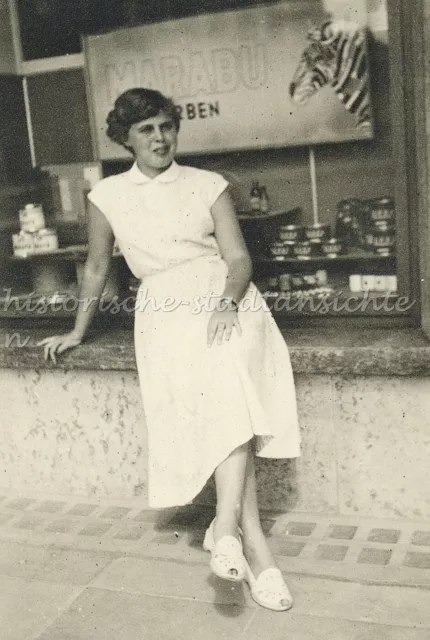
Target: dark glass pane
{"x":59,"y":116}
{"x":54,"y":27}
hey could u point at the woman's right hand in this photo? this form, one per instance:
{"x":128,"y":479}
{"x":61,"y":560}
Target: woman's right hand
{"x":57,"y":344}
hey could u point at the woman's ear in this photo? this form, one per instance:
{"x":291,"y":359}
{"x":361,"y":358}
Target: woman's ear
{"x":127,"y":143}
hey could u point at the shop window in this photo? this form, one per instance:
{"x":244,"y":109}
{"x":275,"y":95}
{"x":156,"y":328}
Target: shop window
{"x":332,"y":235}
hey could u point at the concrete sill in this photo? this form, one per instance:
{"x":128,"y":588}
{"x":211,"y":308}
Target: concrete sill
{"x":354,"y":352}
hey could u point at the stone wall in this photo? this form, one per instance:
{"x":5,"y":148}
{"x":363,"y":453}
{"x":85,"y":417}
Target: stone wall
{"x":81,"y":433}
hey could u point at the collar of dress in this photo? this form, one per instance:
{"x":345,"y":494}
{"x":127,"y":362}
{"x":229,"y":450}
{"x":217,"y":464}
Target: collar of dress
{"x":171,"y":174}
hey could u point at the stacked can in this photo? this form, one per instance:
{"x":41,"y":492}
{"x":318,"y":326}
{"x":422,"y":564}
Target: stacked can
{"x":381,"y":231}
{"x":33,"y":236}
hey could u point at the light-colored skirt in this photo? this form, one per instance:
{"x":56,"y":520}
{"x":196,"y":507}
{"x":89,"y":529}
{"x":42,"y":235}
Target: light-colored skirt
{"x":201,"y":402}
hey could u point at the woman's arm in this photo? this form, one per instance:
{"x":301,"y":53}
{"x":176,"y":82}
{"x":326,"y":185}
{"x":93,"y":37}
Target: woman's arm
{"x":232,"y":247}
{"x":96,"y":271}
{"x":235,"y":254}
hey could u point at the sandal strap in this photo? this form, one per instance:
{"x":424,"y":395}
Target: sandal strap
{"x":226,"y":545}
{"x":271,"y":580}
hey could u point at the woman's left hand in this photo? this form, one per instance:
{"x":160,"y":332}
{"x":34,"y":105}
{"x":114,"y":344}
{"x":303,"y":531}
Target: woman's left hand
{"x":221,"y":326}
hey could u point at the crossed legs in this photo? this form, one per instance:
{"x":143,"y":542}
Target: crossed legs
{"x":237,"y":506}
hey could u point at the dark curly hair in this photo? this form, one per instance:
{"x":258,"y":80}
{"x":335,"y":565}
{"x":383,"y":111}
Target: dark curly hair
{"x":135,"y":105}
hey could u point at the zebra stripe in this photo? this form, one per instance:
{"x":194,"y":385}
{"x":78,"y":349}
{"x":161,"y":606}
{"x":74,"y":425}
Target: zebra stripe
{"x":345,"y":69}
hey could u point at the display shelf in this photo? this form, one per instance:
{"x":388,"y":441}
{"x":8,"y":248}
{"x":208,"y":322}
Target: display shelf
{"x":72,"y":253}
{"x":261,"y":217}
{"x":341,"y":259}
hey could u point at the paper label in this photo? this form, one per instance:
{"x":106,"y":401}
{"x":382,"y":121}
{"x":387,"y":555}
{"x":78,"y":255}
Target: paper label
{"x":65,"y":195}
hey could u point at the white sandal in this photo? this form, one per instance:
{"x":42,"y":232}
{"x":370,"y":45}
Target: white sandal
{"x":227,"y":559}
{"x":269,"y":589}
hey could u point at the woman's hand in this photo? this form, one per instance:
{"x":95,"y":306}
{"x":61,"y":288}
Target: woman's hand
{"x":221,"y":325}
{"x":58,"y":344}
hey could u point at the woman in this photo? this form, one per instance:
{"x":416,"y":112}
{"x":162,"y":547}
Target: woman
{"x":214,"y":371}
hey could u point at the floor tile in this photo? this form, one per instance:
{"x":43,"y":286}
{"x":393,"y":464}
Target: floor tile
{"x":82,"y":509}
{"x":19,"y":560}
{"x":72,"y":566}
{"x":283,"y":546}
{"x":27,"y":608}
{"x":388,"y":536}
{"x":421,"y":538}
{"x":20,"y":504}
{"x":50,"y":506}
{"x":50,"y":564}
{"x":417,"y":560}
{"x":115,"y":513}
{"x":95,"y":529}
{"x":167,"y":537}
{"x":132,"y":532}
{"x":154,"y":515}
{"x":5,"y":517}
{"x":281,"y":626}
{"x":164,"y":578}
{"x":331,"y":552}
{"x":392,"y":606}
{"x":342,"y":532}
{"x":126,"y":616}
{"x":300,"y":528}
{"x":374,"y":556}
{"x":29,"y":521}
{"x":60,"y":526}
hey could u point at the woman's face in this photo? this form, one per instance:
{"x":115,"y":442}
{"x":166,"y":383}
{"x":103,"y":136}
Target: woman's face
{"x":154,"y":143}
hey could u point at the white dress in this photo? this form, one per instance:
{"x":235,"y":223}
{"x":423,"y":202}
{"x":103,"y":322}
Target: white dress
{"x":200,"y":402}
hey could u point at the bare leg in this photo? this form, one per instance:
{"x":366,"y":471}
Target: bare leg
{"x":255,"y":545}
{"x":230,"y":483}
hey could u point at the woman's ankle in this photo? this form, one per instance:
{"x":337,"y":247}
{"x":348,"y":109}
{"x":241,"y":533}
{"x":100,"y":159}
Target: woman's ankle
{"x":226,"y":525}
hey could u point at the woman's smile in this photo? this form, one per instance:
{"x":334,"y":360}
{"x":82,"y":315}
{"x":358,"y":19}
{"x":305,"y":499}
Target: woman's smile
{"x":154,"y":143}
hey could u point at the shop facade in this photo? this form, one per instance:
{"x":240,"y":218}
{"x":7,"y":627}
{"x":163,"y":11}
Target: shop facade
{"x":342,"y":254}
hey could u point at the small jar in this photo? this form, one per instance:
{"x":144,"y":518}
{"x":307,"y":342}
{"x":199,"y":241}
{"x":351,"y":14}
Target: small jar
{"x":332,"y":248}
{"x":254,"y":197}
{"x":23,"y":244}
{"x":321,"y":277}
{"x":384,"y":241}
{"x":302,"y":250}
{"x":290,"y":232}
{"x":31,"y":218}
{"x":264,"y":200}
{"x":382,"y":213}
{"x":317,"y":231}
{"x":302,"y":281}
{"x":280,"y":250}
{"x":284,"y":281}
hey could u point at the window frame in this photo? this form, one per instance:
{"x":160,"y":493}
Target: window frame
{"x":408,"y":104}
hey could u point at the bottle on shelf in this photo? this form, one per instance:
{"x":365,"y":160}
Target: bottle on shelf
{"x":254,"y":197}
{"x":264,"y":200}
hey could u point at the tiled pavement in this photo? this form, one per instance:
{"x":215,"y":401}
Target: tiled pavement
{"x":87,"y":570}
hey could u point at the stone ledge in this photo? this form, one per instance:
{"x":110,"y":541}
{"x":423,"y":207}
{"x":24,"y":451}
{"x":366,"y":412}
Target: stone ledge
{"x":377,"y":352}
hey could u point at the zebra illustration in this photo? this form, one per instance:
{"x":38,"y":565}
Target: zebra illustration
{"x":337,"y":56}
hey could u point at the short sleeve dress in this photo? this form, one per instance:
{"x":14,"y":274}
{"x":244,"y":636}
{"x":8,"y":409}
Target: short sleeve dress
{"x":199,"y":402}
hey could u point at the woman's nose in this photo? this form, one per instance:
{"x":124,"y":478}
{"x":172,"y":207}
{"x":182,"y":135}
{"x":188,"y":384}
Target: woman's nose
{"x":158,"y":133}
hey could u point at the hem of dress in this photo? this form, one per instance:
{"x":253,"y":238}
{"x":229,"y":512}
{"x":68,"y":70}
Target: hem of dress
{"x":183,"y":502}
